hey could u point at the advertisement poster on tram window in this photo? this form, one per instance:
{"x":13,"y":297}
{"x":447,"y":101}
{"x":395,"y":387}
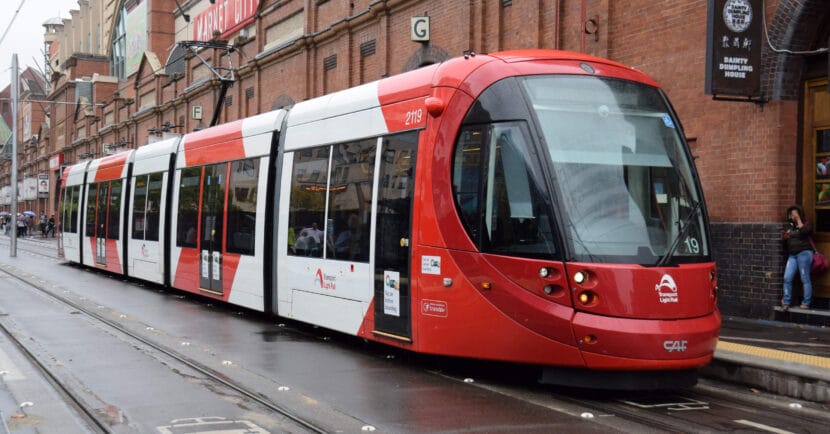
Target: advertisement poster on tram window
{"x":733,"y":48}
{"x":392,"y":293}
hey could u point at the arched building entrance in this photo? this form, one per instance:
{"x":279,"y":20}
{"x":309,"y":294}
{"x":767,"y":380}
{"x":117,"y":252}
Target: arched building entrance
{"x":799,"y":34}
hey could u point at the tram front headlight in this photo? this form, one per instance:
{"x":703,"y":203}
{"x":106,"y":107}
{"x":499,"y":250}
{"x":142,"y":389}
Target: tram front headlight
{"x":580,"y":277}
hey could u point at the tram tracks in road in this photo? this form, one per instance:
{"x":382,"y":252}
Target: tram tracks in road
{"x":89,"y":414}
{"x":703,"y":408}
{"x":709,"y":406}
{"x":86,"y":413}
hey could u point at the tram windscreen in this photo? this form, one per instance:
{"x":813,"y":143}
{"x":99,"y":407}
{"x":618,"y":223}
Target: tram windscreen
{"x":625,"y":184}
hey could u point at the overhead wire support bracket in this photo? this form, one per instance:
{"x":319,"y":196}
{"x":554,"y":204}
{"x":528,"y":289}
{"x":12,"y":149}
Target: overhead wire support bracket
{"x":225,"y":75}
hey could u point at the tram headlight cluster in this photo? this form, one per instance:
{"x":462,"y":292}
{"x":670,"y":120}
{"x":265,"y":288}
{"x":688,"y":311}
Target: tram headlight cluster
{"x":584,"y":296}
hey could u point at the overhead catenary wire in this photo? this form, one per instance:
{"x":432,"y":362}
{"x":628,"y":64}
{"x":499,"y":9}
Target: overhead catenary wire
{"x":9,"y":27}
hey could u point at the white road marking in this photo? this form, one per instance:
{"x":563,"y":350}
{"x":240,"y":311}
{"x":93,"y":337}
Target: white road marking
{"x":762,"y":427}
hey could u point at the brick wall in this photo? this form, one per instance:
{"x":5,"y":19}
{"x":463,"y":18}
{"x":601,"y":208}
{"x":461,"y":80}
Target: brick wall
{"x":750,"y":260}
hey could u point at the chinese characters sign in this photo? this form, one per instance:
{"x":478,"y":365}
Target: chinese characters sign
{"x":225,"y":17}
{"x":733,"y":52}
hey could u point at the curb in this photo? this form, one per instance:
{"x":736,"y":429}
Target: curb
{"x":783,"y":377}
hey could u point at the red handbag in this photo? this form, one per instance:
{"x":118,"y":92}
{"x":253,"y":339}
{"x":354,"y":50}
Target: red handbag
{"x":820,"y":263}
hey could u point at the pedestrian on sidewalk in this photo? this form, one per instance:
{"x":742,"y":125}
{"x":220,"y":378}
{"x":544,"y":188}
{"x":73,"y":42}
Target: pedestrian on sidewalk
{"x":796,"y":235}
{"x":50,"y":227}
{"x":43,"y":225}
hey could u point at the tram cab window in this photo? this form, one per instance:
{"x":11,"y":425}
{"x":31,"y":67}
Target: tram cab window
{"x":500,"y":193}
{"x":242,"y":194}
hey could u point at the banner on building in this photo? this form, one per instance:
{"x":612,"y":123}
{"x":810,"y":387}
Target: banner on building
{"x":5,"y":195}
{"x":733,"y":49}
{"x":28,"y":189}
{"x":136,"y":37}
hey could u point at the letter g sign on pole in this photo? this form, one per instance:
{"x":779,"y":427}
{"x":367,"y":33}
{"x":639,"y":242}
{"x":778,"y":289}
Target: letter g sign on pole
{"x":420,"y":29}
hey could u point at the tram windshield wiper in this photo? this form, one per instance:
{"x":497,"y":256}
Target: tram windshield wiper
{"x":687,"y":222}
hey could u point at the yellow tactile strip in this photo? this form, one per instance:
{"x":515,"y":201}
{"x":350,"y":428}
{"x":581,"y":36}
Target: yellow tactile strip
{"x":805,"y":359}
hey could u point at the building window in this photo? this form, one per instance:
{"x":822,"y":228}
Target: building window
{"x":821,"y":139}
{"x":118,"y":58}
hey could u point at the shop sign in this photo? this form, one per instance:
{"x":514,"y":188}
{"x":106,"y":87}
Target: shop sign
{"x":225,"y":17}
{"x":733,"y":51}
{"x":55,"y":161}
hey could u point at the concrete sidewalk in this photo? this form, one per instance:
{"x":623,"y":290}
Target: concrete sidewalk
{"x":784,"y":358}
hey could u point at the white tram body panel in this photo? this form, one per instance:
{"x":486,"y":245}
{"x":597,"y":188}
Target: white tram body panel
{"x":73,"y":211}
{"x":332,"y":293}
{"x":230,"y":267}
{"x":103,"y":247}
{"x":149,"y":190}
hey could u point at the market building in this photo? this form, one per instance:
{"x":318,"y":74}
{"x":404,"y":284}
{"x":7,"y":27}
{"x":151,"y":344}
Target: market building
{"x":124,"y":73}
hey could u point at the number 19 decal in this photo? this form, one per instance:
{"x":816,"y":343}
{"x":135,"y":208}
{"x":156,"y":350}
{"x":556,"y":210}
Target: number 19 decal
{"x":692,"y":245}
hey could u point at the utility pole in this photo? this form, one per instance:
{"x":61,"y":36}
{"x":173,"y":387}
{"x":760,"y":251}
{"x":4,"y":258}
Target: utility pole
{"x":15,"y":96}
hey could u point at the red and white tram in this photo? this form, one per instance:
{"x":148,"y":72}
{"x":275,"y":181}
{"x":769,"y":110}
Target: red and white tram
{"x":531,"y":206}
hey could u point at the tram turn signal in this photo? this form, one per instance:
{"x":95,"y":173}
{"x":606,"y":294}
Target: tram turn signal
{"x":587,"y":298}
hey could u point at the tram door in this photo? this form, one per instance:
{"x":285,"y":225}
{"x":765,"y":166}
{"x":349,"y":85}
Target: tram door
{"x":101,"y":224}
{"x":393,"y":235}
{"x":213,"y":212}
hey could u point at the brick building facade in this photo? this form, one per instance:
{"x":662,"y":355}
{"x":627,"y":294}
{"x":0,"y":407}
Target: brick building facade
{"x":133,"y":83}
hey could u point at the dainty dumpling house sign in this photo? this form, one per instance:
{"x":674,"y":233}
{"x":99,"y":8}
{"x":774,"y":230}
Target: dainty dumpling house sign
{"x":733,"y":49}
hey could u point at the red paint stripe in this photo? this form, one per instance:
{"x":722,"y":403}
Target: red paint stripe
{"x":219,"y":143}
{"x":187,"y":271}
{"x":111,"y":167}
{"x":230,"y":263}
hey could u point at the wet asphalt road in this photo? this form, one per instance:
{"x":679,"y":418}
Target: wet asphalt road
{"x":340,"y":383}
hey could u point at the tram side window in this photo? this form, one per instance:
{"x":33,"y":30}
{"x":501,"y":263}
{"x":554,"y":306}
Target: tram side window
{"x":153,"y":213}
{"x":73,"y":209}
{"x":66,"y":205}
{"x":500,"y":193}
{"x":242,"y":206}
{"x":307,"y":205}
{"x":114,"y":210}
{"x":146,"y":211}
{"x":350,"y":196}
{"x":139,"y":207}
{"x":188,"y":212}
{"x":91,"y":206}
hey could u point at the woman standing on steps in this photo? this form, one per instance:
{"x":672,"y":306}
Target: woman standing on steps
{"x":796,"y":234}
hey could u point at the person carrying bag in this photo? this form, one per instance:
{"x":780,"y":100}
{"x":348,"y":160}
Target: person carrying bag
{"x":800,"y":251}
